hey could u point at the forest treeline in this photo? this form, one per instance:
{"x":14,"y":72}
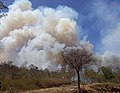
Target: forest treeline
{"x":29,"y":78}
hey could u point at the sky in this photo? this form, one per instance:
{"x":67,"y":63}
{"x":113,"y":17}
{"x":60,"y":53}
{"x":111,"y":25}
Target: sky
{"x":96,"y":19}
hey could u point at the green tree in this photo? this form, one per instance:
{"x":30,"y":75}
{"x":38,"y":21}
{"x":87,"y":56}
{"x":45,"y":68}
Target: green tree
{"x":107,"y":72}
{"x":93,"y":76}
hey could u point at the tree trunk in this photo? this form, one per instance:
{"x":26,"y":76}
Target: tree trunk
{"x":78,"y":74}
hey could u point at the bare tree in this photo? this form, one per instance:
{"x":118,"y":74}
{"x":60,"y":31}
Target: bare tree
{"x":77,"y":57}
{"x":2,"y":6}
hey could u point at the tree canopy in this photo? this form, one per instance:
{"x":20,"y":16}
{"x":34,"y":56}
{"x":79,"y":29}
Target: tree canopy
{"x":77,"y":57}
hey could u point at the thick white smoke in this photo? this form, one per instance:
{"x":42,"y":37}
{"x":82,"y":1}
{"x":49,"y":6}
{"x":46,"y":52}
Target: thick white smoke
{"x":36,"y":36}
{"x":108,"y":59}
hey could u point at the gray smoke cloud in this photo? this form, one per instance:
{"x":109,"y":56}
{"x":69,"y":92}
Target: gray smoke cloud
{"x":36,"y":36}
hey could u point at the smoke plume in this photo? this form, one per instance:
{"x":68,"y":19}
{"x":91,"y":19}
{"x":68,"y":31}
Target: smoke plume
{"x":36,"y":36}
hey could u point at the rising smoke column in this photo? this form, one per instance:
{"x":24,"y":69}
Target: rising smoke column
{"x":36,"y":36}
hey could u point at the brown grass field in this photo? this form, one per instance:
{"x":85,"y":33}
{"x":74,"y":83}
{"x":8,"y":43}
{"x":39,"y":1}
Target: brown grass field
{"x":90,"y":88}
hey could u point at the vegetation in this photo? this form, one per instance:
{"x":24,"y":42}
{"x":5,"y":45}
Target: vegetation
{"x":22,"y":78}
{"x":15,"y":78}
{"x":104,"y":74}
{"x":90,"y":88}
{"x":107,"y":72}
{"x":77,"y":57}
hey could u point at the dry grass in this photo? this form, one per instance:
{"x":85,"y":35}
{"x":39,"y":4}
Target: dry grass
{"x":91,"y":88}
{"x":61,"y":89}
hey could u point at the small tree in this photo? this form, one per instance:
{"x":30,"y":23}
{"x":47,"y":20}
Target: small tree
{"x":107,"y":72}
{"x":77,"y":57}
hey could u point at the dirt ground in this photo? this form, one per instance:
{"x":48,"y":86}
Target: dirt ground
{"x":61,"y":89}
{"x":89,"y":88}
